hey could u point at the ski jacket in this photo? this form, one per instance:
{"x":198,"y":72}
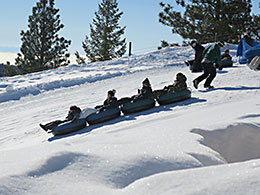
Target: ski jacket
{"x":226,"y":56}
{"x":111,"y":102}
{"x":145,"y":92}
{"x":198,"y":52}
{"x":213,"y":54}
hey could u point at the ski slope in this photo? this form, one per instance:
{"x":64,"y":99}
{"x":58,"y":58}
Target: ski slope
{"x":209,"y":144}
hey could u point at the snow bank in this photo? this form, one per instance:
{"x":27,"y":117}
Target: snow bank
{"x":73,"y":75}
{"x":236,"y":143}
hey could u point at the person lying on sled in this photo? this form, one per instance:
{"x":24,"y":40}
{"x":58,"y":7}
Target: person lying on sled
{"x":73,"y":115}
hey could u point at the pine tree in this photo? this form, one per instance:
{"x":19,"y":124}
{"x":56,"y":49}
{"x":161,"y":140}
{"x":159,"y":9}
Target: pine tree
{"x":80,"y":60}
{"x":42,"y":48}
{"x":163,"y":44}
{"x":207,"y":20}
{"x":104,"y":41}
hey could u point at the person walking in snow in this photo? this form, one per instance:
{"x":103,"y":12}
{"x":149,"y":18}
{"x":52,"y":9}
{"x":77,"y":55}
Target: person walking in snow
{"x":211,"y":55}
{"x":110,"y":102}
{"x":73,"y":115}
{"x":196,"y":63}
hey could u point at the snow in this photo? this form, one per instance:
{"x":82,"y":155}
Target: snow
{"x":209,"y":144}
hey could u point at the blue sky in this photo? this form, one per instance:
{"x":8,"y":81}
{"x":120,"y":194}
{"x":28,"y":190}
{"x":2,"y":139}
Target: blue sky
{"x":140,"y":17}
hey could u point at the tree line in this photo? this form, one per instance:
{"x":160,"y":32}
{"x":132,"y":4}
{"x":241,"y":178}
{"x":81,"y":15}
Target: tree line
{"x":201,"y":20}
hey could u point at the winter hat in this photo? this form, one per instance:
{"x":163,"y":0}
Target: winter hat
{"x":221,"y":43}
{"x":193,"y":42}
{"x":146,"y":81}
{"x":112,"y":92}
{"x":181,"y":77}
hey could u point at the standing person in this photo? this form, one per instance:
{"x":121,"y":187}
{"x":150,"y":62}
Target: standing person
{"x":210,"y":56}
{"x":73,"y":115}
{"x":196,"y":63}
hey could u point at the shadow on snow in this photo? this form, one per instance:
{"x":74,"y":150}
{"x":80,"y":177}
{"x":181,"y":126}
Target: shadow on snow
{"x":241,"y":88}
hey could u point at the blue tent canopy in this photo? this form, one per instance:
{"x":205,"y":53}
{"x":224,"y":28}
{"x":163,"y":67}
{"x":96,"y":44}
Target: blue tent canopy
{"x":247,"y":52}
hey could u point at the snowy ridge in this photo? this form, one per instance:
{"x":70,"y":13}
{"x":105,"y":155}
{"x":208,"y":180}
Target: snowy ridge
{"x":208,"y":144}
{"x":19,"y":86}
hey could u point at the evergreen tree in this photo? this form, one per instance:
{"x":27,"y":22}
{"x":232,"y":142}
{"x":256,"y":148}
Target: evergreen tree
{"x":42,"y":48}
{"x":79,"y":59}
{"x":104,"y":41}
{"x":207,"y":20}
{"x":163,"y":44}
{"x":256,"y":26}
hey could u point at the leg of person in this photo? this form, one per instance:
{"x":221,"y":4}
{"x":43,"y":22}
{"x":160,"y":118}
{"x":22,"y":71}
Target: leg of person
{"x":189,"y":62}
{"x":98,"y":106}
{"x":123,"y":100}
{"x":203,"y":76}
{"x":212,"y":75}
{"x":51,"y":125}
{"x":196,"y":66}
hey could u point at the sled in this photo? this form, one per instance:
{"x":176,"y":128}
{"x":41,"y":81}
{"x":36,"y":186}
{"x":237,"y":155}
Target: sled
{"x":169,"y":98}
{"x":137,"y":106}
{"x":103,"y":116}
{"x":69,"y":127}
{"x":227,"y":63}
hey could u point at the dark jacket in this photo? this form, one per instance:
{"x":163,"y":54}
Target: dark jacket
{"x":145,"y":92}
{"x":73,"y":115}
{"x":226,"y":56}
{"x":213,"y":54}
{"x":196,"y":63}
{"x":111,"y":102}
{"x":198,"y":52}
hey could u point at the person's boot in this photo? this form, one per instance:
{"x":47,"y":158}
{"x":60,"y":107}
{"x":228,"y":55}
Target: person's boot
{"x":187,"y":63}
{"x":195,"y":84}
{"x":43,"y":127}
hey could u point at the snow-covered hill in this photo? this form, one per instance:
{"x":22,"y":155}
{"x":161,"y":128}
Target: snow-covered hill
{"x":209,"y":144}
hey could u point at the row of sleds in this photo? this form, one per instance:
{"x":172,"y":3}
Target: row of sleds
{"x":126,"y":108}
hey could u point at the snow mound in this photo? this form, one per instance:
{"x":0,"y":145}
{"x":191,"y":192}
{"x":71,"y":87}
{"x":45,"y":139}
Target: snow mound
{"x":236,"y":143}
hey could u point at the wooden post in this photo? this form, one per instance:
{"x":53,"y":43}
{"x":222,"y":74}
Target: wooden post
{"x":130,"y":48}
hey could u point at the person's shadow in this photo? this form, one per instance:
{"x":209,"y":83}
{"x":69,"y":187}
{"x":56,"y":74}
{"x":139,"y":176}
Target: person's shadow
{"x":131,"y":117}
{"x":241,"y":88}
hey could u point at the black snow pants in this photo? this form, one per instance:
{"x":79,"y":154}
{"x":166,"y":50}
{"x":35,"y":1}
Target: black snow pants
{"x":209,"y":74}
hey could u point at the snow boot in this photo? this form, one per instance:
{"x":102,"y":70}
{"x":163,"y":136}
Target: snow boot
{"x":43,"y":127}
{"x":187,"y":63}
{"x":195,"y":84}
